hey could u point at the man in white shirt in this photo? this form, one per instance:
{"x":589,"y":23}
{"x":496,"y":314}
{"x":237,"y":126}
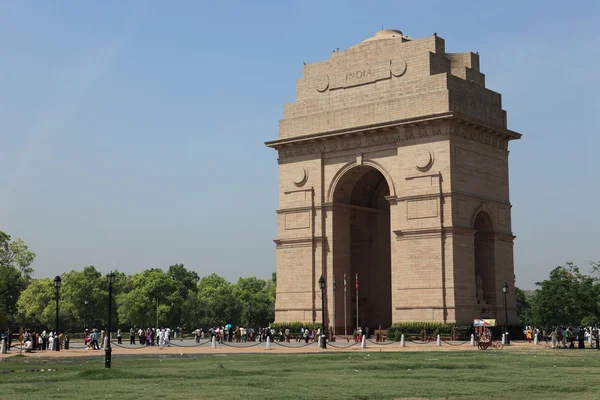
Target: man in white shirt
{"x":167,"y":337}
{"x":159,"y":336}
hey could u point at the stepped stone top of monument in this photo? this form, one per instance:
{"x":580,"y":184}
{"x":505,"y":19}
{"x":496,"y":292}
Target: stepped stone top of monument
{"x":390,"y":78}
{"x":387,"y":34}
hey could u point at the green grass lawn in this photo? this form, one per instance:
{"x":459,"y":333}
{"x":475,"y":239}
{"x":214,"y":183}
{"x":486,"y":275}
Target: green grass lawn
{"x":564,"y":374}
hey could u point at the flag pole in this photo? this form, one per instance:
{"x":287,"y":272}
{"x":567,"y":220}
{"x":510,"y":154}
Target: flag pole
{"x":345,"y":313}
{"x":357,"y":301}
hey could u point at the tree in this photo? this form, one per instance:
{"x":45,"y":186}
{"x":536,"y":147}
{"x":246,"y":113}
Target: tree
{"x":152,"y":296}
{"x":187,"y":285}
{"x":523,"y":305}
{"x":90,"y":285}
{"x":15,"y":273}
{"x":567,"y":297}
{"x":37,"y":303}
{"x":216,"y":302}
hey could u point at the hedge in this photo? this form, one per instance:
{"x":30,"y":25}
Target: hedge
{"x":417,"y":330}
{"x":421,"y":329}
{"x":294,"y":327}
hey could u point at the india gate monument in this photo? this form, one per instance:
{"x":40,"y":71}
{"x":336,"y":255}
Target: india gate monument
{"x":393,"y":167}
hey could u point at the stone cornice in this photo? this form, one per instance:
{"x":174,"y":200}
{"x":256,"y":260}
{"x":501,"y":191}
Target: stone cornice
{"x":294,"y":209}
{"x":506,"y":237}
{"x":423,"y":233}
{"x":396,"y":199}
{"x":297,"y":242}
{"x":428,"y":127}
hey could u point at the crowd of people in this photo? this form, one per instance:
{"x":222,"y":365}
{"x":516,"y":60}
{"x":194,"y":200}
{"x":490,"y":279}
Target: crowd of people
{"x":94,"y":339}
{"x":38,"y":340}
{"x":563,"y":336}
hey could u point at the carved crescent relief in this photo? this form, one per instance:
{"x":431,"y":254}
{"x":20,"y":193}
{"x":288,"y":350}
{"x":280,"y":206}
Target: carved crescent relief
{"x":398,"y":68}
{"x":426,"y":159}
{"x":323,"y":83}
{"x":301,"y":177}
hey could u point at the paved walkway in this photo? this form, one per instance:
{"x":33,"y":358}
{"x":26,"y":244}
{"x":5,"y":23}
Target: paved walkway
{"x":189,"y":347}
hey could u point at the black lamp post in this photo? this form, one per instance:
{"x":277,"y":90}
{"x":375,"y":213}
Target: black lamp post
{"x":323,"y":336}
{"x":57,"y":287}
{"x":505,"y":292}
{"x":108,"y":349}
{"x":334,"y":297}
{"x":85,"y":318}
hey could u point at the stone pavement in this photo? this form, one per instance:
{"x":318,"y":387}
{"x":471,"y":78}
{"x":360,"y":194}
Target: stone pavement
{"x":189,"y":347}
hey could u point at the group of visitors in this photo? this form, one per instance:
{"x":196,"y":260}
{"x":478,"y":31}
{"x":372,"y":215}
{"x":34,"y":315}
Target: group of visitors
{"x":151,"y":336}
{"x":562,"y":336}
{"x":239,"y":334}
{"x":38,"y":340}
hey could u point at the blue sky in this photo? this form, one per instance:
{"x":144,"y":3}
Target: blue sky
{"x":131,"y":133}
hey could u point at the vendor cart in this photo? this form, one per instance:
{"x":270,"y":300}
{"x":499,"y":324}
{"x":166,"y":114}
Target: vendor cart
{"x":483,"y":334}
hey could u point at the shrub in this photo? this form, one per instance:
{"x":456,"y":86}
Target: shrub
{"x":418,"y":329}
{"x":294,"y":327}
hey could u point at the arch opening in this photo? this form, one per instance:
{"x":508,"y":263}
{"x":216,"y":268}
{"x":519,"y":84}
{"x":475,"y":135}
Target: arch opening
{"x":484,"y":254}
{"x":362,"y":245}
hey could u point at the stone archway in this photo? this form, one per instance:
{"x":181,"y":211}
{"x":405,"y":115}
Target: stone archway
{"x":362,"y":244}
{"x":484,"y":255}
{"x":349,"y":138}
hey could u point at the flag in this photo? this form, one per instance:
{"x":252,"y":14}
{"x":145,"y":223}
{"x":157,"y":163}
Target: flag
{"x":357,"y":281}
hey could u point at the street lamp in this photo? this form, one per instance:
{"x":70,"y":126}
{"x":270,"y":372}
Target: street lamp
{"x":108,"y":349}
{"x":505,"y":292}
{"x":57,"y":287}
{"x":85,"y":321}
{"x":334,"y":297}
{"x":323,"y":337}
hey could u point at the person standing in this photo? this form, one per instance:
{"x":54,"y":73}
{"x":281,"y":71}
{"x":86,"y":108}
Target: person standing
{"x":529,"y":334}
{"x":159,"y":335}
{"x":50,"y":342}
{"x":95,"y":336}
{"x":131,"y":336}
{"x":8,"y":339}
{"x":167,"y":337}
{"x":581,"y":337}
{"x":44,"y":339}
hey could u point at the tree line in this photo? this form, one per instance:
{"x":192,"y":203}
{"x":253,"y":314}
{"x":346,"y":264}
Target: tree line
{"x":179,"y":297}
{"x":175,"y":297}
